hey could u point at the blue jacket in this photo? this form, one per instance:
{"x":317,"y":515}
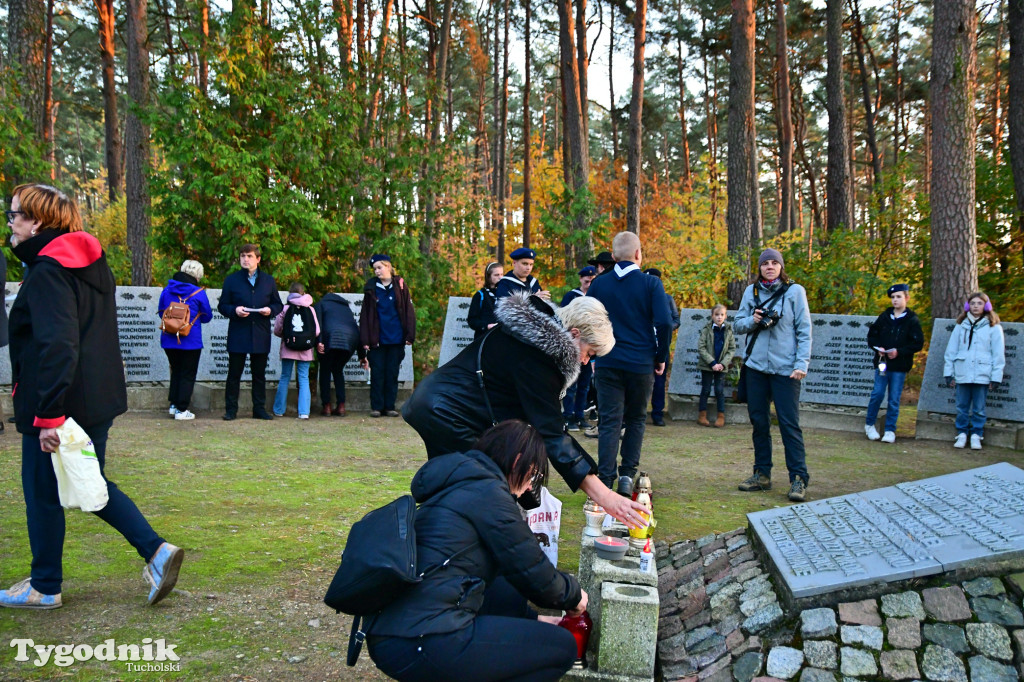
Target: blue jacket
{"x":785,"y":346}
{"x":977,"y":359}
{"x":510,"y":283}
{"x":641,"y":320}
{"x":249,"y":334}
{"x":571,"y":296}
{"x":179,"y":287}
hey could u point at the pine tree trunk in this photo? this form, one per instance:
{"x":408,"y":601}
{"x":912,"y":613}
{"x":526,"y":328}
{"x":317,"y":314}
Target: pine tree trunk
{"x":49,"y":144}
{"x":111,"y":134}
{"x":786,"y":209}
{"x":636,"y":109}
{"x":426,"y":239}
{"x":527,"y":138}
{"x":343,"y":17}
{"x":743,"y":215}
{"x":1015,"y":107}
{"x":204,"y":32}
{"x":26,"y":43}
{"x":583,"y":64}
{"x":578,"y":158}
{"x":838,"y":200}
{"x":503,"y":125}
{"x":954,"y":250}
{"x":684,"y":137}
{"x":137,"y":143}
{"x":859,"y":42}
{"x":611,"y":91}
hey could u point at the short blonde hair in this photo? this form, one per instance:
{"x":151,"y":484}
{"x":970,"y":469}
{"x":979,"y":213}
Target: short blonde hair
{"x":589,"y":316}
{"x":48,"y":205}
{"x":193,"y":268}
{"x":624,"y":246}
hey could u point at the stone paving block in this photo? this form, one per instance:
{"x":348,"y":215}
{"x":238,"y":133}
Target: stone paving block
{"x":749,"y":608}
{"x":997,"y":610}
{"x":746,"y":574}
{"x":990,"y":640}
{"x":765,"y":678}
{"x":680,"y":671}
{"x":673,"y":649}
{"x":899,"y":664}
{"x":749,"y":644}
{"x":821,"y":654}
{"x":903,"y":604}
{"x":816,"y":623}
{"x":727,"y":624}
{"x":817,"y":675}
{"x":669,"y":627}
{"x":904,"y":633}
{"x":766,"y":618}
{"x":986,"y":670}
{"x":733,"y":533}
{"x":705,"y":540}
{"x":948,"y":636}
{"x":860,"y":612}
{"x":1018,"y":644}
{"x":784,"y":662}
{"x":946,"y":603}
{"x":696,"y":636}
{"x":941,"y":665}
{"x":1016,"y":583}
{"x":747,"y":666}
{"x":734,"y":640}
{"x":864,"y":635}
{"x":730,"y":591}
{"x":702,"y":618}
{"x":719,"y":670}
{"x":733,"y":544}
{"x":713,"y":547}
{"x":692,"y":603}
{"x":985,"y":586}
{"x":712,"y":588}
{"x":857,"y":662}
{"x":741,"y":558}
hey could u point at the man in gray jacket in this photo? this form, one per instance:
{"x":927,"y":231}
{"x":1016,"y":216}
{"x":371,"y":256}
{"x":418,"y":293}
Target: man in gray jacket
{"x":775,"y":316}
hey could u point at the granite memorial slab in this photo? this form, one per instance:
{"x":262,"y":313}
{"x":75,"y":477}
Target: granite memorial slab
{"x":904,"y":531}
{"x":457,"y":332}
{"x":138,"y":330}
{"x":1005,"y":403}
{"x":840,"y":372}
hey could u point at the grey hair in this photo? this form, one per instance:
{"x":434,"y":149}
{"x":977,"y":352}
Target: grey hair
{"x":193,"y":268}
{"x":589,"y":316}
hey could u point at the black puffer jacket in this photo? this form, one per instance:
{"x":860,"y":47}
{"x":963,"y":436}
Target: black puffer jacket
{"x":904,"y":335}
{"x":528,"y":360}
{"x":468,"y":510}
{"x":338,"y":328}
{"x":65,"y":355}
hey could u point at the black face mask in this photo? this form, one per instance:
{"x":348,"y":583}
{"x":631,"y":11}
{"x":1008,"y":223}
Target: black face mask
{"x":528,"y":500}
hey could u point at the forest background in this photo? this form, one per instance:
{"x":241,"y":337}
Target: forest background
{"x":872,"y":142}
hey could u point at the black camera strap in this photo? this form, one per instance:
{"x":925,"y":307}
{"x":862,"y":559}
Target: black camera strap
{"x":757,"y":305}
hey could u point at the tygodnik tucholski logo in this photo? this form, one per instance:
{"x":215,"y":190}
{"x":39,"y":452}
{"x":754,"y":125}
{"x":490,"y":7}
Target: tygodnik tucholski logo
{"x":152,"y":655}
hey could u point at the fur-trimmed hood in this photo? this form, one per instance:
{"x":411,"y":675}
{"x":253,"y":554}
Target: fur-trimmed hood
{"x":532,"y":320}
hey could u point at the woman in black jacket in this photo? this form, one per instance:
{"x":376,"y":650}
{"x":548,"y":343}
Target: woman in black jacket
{"x":481,"y":308}
{"x":467,"y":620}
{"x":339,"y":338}
{"x":527,"y":363}
{"x":66,"y":362}
{"x":894,"y":338}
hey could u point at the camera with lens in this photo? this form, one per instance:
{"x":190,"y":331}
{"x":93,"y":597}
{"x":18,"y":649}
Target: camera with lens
{"x":769,"y":318}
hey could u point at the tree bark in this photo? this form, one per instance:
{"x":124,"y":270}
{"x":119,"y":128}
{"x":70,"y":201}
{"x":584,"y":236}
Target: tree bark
{"x":527,"y":139}
{"x":684,"y":145}
{"x":786,"y":209}
{"x":49,"y":143}
{"x":859,"y":42}
{"x":111,"y":134}
{"x":611,"y":91}
{"x":343,"y":17}
{"x":954,"y":251}
{"x":137,"y":143}
{"x":578,"y":164}
{"x":426,"y":240}
{"x":743,"y":215}
{"x":1015,"y":106}
{"x":838,"y":200}
{"x":204,"y":41}
{"x":583,"y":64}
{"x":997,"y":90}
{"x":26,"y":44}
{"x":503,"y":126}
{"x":636,"y":110}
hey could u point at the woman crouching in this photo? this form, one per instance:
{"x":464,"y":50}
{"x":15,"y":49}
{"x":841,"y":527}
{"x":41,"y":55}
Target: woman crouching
{"x":470,"y":620}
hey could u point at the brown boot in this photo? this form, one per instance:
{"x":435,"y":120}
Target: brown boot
{"x":702,"y":418}
{"x":720,"y":422}
{"x":339,"y":411}
{"x":326,"y":411}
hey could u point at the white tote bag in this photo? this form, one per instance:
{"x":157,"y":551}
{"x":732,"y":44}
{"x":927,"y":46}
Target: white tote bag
{"x":80,"y":484}
{"x":545,"y":522}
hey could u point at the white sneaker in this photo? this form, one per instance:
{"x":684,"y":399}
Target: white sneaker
{"x":961,"y":440}
{"x":872,"y":432}
{"x":184,"y":416}
{"x":303,"y":416}
{"x":889,"y":437}
{"x":173,"y":411}
{"x":975,"y":442}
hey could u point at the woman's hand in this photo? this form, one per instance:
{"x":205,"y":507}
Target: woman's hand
{"x":621,"y":508}
{"x":581,"y":607}
{"x":717,"y":367}
{"x":49,"y":441}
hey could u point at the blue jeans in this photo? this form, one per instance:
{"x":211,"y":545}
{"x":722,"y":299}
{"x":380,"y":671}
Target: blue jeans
{"x":707,"y":379}
{"x":281,"y":399}
{"x":971,"y":398}
{"x":893,"y":382}
{"x":575,"y":400}
{"x":785,"y":393}
{"x":46,"y":517}
{"x":622,"y":401}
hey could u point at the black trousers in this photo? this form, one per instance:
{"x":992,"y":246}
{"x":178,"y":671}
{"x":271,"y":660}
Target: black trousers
{"x":184,"y":367}
{"x":505,"y":642}
{"x":332,"y":366}
{"x":258,"y":367}
{"x":385,"y":360}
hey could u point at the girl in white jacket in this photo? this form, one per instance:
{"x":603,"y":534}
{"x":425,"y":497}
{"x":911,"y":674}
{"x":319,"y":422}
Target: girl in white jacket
{"x":974,"y":363}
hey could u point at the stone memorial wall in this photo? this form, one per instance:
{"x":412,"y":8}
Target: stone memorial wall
{"x":1005,"y":402}
{"x":457,"y":334}
{"x":138,"y":329}
{"x":840,"y":373}
{"x":906,"y":531}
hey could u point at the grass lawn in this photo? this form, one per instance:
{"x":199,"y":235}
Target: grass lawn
{"x":262,"y":510}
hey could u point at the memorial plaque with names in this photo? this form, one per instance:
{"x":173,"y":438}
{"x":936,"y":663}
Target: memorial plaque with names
{"x":904,"y":531}
{"x":1005,"y":402}
{"x":138,"y":330}
{"x":457,"y":332}
{"x":840,"y":372}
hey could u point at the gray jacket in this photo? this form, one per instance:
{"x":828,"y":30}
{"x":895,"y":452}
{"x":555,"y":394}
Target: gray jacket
{"x":977,"y":359}
{"x":785,"y":346}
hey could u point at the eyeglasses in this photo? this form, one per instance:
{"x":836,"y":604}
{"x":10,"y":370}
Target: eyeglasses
{"x":536,"y":479}
{"x":11,"y":214}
